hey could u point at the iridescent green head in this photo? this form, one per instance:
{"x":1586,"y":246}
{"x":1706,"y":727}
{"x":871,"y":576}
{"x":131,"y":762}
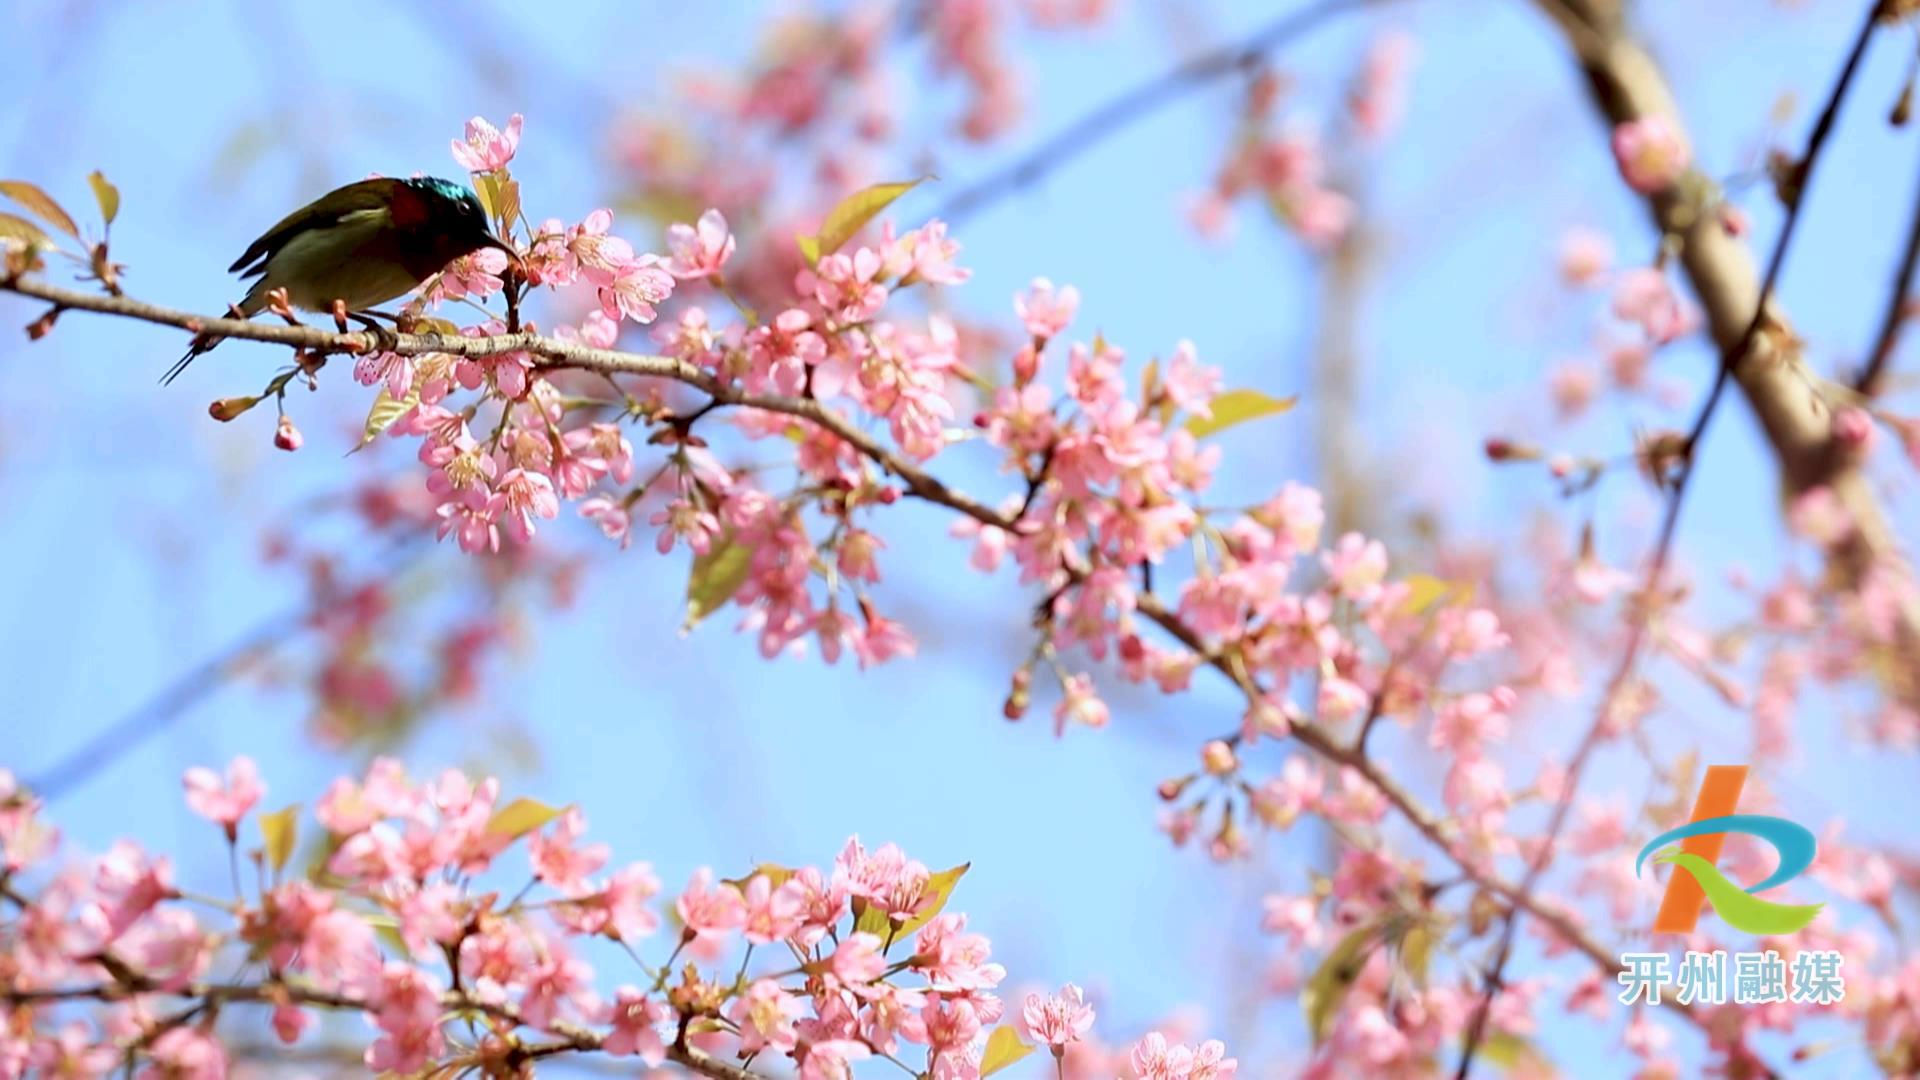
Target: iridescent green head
{"x":456,"y":208}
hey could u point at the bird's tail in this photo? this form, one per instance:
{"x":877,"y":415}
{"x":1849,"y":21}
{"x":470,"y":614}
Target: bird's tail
{"x":203,"y":342}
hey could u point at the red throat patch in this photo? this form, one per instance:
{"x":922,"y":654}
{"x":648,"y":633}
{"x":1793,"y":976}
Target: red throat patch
{"x":408,"y":207}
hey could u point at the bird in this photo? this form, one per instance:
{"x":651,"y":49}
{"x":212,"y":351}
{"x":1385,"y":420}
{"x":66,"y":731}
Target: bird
{"x":356,"y":247}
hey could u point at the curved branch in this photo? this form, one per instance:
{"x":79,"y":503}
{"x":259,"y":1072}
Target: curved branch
{"x":1078,"y":137}
{"x":1628,"y":86}
{"x":569,"y":1038}
{"x":1873,"y":377}
{"x":556,"y":353}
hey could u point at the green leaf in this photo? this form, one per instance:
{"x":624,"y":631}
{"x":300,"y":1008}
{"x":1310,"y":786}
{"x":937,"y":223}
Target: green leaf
{"x":939,"y":889}
{"x":1424,"y":591}
{"x":14,"y":227}
{"x":280,"y":829}
{"x":484,"y":187}
{"x":522,"y":816}
{"x":716,"y":576}
{"x":1328,"y":987}
{"x":509,"y":200}
{"x":41,"y":203}
{"x":387,"y":929}
{"x":1415,"y":951}
{"x":1238,"y":407}
{"x":322,"y":854}
{"x":1507,"y":1051}
{"x":1003,"y":1049}
{"x":850,"y":216}
{"x":874,"y":920}
{"x":775,"y":874}
{"x":386,"y":409}
{"x":106,"y":195}
{"x":499,"y":195}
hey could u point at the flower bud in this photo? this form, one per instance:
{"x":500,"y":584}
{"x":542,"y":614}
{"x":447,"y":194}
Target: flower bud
{"x":286,"y":436}
{"x":1219,"y":758}
{"x":1853,"y":429}
{"x":1502,"y":449}
{"x":227,"y":408}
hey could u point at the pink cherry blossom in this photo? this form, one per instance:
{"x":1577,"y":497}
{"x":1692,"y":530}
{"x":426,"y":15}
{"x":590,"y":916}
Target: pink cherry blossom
{"x":1651,"y":153}
{"x":1059,"y":1019}
{"x":711,"y":910}
{"x":486,"y":147}
{"x":1044,"y":310}
{"x":225,"y":803}
{"x":701,"y":249}
{"x":1585,"y":255}
{"x":833,"y":1059}
{"x":765,"y":1015}
{"x":636,"y":1024}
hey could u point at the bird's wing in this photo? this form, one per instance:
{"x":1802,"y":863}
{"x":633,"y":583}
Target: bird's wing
{"x":358,"y":197}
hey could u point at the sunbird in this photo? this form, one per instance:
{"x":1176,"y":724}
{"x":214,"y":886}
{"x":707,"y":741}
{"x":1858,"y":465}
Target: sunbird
{"x":358,"y":246}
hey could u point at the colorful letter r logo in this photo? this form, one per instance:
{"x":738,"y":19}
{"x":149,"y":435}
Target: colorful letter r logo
{"x":1696,"y":880}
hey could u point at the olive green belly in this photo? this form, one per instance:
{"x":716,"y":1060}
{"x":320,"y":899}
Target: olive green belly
{"x":352,"y":262}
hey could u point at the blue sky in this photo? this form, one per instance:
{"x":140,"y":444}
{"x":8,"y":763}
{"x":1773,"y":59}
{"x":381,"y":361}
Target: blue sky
{"x":132,"y":521}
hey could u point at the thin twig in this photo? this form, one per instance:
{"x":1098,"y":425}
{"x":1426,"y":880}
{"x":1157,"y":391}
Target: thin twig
{"x":556,"y":353}
{"x":1078,"y":137}
{"x":1663,"y":547}
{"x":1870,"y":382}
{"x":570,"y":1038}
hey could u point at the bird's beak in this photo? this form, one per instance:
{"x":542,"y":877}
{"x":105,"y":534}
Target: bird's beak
{"x":489,"y":240}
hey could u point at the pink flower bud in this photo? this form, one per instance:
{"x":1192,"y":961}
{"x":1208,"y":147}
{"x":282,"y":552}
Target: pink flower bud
{"x":1218,"y":757}
{"x":286,"y":436}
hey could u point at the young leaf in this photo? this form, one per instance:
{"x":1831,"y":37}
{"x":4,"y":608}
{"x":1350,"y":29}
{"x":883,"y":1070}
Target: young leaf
{"x":41,"y":203}
{"x":775,"y":874}
{"x":386,"y":409}
{"x":1413,"y":952}
{"x":13,"y":227}
{"x":106,"y":195}
{"x":1424,"y":591}
{"x":1507,"y":1051}
{"x":509,"y":200}
{"x":522,"y":816}
{"x":939,"y":889}
{"x":1238,"y":407}
{"x":1003,"y":1049}
{"x":280,"y":829}
{"x":716,"y":576}
{"x":322,"y":854}
{"x":850,"y":216}
{"x":873,"y":920}
{"x":484,"y":186}
{"x":1338,"y":971}
{"x":809,"y":248}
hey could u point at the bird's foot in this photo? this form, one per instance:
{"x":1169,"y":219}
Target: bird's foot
{"x":384,"y":339}
{"x":279,"y":304}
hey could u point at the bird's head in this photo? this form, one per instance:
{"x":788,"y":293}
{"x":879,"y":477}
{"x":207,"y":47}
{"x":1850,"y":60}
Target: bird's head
{"x":453,"y":211}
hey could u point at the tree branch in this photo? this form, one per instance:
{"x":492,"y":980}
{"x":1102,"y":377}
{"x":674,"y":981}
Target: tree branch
{"x":1627,"y":85}
{"x":556,"y":353}
{"x":570,"y":1038}
{"x":1081,"y":135}
{"x":1873,"y":377}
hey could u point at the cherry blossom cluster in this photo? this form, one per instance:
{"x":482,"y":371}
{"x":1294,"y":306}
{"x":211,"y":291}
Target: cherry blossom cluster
{"x":1281,"y":155}
{"x":1805,"y":628}
{"x":402,"y":917}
